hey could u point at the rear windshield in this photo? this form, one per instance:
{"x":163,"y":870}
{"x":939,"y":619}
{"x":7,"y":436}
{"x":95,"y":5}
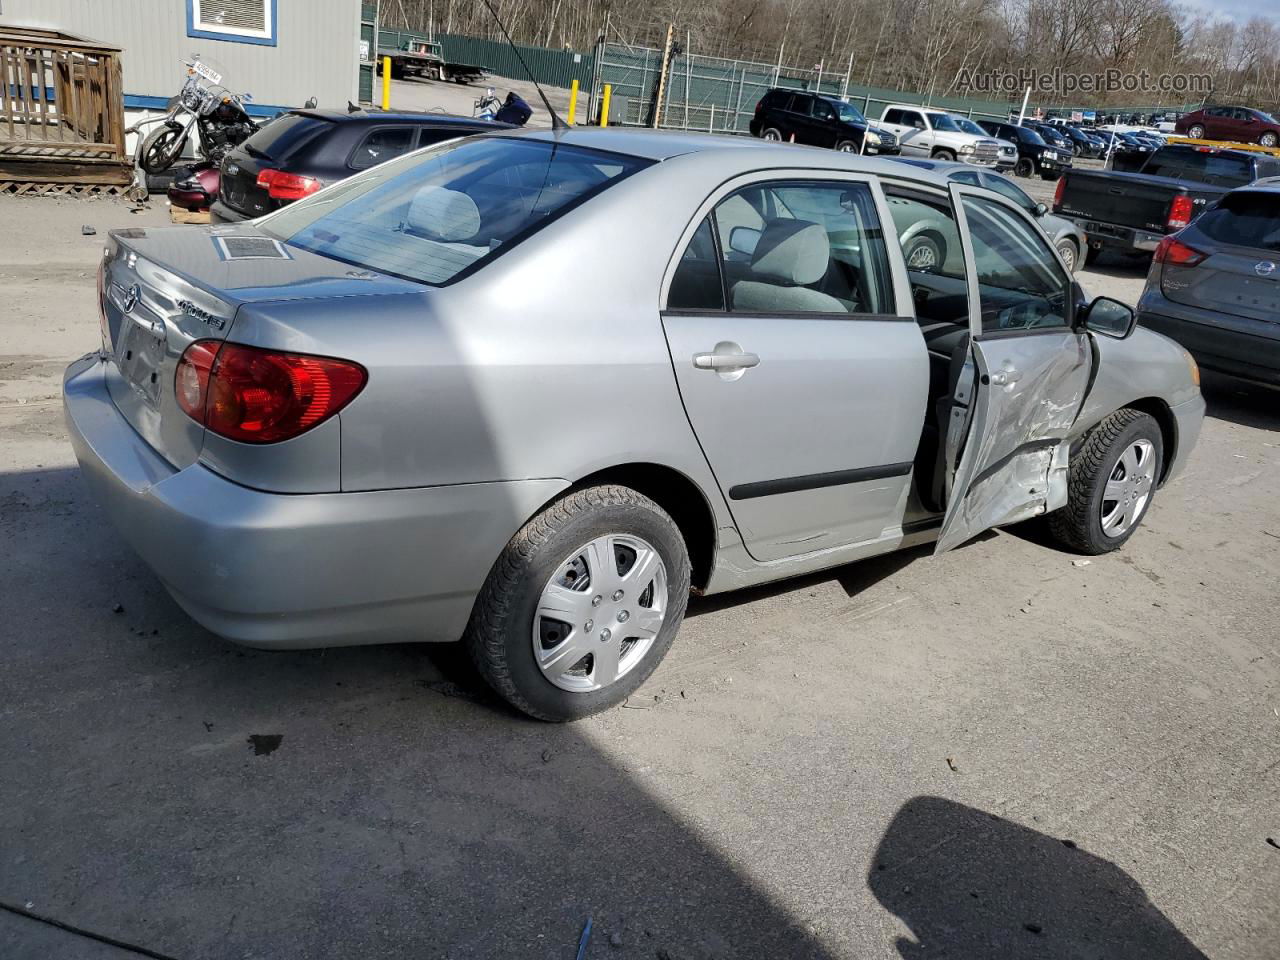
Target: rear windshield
{"x":283,"y":135}
{"x":1191,"y":164}
{"x":435,"y":215}
{"x":1246,"y":219}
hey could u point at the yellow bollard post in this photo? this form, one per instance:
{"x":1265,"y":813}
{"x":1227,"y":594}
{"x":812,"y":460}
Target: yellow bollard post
{"x":386,"y":83}
{"x":604,"y":104}
{"x":573,"y":100}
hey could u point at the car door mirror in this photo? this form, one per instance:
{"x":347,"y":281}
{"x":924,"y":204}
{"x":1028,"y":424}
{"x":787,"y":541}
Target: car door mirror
{"x":743,"y":240}
{"x":1040,"y":210}
{"x":1109,"y":317}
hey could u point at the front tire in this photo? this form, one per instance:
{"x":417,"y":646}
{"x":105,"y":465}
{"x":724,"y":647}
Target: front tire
{"x":161,"y":149}
{"x":582,"y":605}
{"x":1024,"y":167}
{"x":1112,"y":479}
{"x":1070,"y":256}
{"x":944,"y":156}
{"x":1267,"y":139}
{"x":846,"y":146}
{"x":925,"y":252}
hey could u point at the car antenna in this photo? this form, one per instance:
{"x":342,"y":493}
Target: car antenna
{"x":556,"y":122}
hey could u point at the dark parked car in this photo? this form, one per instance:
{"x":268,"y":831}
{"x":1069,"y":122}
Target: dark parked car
{"x":303,"y":150}
{"x":1215,"y":286}
{"x":1054,"y":136}
{"x":1132,"y":212}
{"x":818,"y":121}
{"x":1242,"y":124}
{"x":1034,"y":155}
{"x":1085,"y":144}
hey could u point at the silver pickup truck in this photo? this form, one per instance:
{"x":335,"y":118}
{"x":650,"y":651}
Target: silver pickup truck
{"x":925,"y":132}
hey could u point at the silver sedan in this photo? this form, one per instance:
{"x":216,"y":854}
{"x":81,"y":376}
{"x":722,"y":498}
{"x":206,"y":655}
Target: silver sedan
{"x":531,"y":390}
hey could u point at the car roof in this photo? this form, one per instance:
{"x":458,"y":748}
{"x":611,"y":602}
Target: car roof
{"x":396,"y":116}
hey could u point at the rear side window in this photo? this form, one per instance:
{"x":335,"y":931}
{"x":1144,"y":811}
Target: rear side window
{"x":284,"y":135}
{"x":894,"y":116}
{"x":789,"y":248}
{"x":1245,"y":219}
{"x":382,"y":145}
{"x":435,"y":216}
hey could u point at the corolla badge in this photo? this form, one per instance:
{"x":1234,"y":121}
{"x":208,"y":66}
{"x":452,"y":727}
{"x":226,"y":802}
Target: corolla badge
{"x":1264,"y":269}
{"x":204,"y":316}
{"x":131,"y":297}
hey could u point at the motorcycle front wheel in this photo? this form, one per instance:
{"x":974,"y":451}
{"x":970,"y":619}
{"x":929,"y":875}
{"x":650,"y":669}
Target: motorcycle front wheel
{"x":161,"y":148}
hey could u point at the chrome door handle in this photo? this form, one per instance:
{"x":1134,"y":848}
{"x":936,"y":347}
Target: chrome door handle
{"x":1003,"y":377}
{"x":725,"y":361}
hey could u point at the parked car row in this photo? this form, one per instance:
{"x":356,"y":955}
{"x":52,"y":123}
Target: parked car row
{"x":431,"y":472}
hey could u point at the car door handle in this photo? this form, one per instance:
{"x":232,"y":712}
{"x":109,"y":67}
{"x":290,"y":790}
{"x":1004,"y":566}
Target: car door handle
{"x":725,"y":361}
{"x":1003,"y":378}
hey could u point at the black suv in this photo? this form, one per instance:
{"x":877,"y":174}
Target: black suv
{"x":818,"y":121}
{"x":1034,"y":155}
{"x":301,"y":151}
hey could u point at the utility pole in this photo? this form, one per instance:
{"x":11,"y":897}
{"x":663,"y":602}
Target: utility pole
{"x":662,"y":77}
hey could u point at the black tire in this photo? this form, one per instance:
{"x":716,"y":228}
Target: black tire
{"x":1091,"y":254}
{"x":1268,"y":139}
{"x":847,"y":146}
{"x":1195,"y":132}
{"x":929,"y":248}
{"x":499,"y":634}
{"x":944,"y":155}
{"x":776,"y":134}
{"x":1025,"y":167}
{"x":1078,"y":525}
{"x":1070,"y":255}
{"x":161,"y":149}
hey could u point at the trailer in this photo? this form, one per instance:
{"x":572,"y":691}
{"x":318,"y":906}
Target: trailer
{"x":425,"y":58}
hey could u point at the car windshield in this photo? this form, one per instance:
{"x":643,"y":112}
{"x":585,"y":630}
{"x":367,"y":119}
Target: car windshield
{"x":968,"y":126}
{"x":1266,"y":117}
{"x":941,"y":121}
{"x":848,"y":112}
{"x":437,"y":214}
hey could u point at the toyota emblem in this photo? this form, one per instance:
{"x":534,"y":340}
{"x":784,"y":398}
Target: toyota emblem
{"x":1264,"y":269}
{"x":131,"y":298}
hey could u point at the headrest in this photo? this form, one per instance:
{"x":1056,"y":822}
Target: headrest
{"x":791,"y":252}
{"x":438,"y":213}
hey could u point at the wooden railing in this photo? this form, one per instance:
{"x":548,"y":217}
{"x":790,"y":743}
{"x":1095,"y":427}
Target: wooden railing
{"x":63,"y":108}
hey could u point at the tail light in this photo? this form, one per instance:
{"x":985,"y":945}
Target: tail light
{"x":287,"y":186}
{"x":760,"y":107}
{"x":1057,"y":192}
{"x":262,"y":396}
{"x":1176,"y":253}
{"x":1180,"y":211}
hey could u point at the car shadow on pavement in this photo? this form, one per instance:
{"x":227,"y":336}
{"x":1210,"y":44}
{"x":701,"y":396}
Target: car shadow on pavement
{"x":1240,"y":402}
{"x":169,"y":789}
{"x":974,"y":885}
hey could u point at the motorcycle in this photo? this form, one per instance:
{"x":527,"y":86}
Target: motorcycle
{"x":487,"y":107}
{"x":218,"y":115}
{"x":513,"y":110}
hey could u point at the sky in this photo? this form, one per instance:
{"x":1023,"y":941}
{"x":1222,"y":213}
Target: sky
{"x":1239,"y":10}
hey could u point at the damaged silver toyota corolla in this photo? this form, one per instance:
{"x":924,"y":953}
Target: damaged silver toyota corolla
{"x":529,"y":390}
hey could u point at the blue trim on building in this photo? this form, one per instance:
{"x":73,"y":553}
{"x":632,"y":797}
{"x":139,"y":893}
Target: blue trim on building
{"x":232,"y":37}
{"x":135,"y":101}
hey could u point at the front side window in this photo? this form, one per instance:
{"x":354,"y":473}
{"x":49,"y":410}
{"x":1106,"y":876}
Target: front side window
{"x":822,"y":110}
{"x":790,"y":248}
{"x":433,"y":216}
{"x":941,"y":121}
{"x":1020,"y":284}
{"x":850,"y":114}
{"x":1004,"y":186}
{"x":243,"y":21}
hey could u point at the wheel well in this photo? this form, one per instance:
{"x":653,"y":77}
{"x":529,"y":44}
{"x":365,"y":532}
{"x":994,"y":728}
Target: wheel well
{"x":939,"y":150}
{"x":681,"y":498}
{"x":1160,"y":412}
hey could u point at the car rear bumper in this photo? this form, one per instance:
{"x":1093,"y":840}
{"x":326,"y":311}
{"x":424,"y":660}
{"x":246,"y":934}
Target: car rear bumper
{"x":295,"y":570}
{"x":1215,"y":339}
{"x":1115,"y":236}
{"x":219,"y":212}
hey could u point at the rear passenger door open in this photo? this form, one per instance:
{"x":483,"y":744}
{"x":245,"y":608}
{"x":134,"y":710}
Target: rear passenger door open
{"x":1024,"y":379}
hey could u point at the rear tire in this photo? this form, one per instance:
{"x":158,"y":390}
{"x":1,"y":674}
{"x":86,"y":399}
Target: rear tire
{"x":926,"y":252}
{"x":551,"y":558}
{"x":1195,"y":132}
{"x":1111,"y":482}
{"x":772,"y":134}
{"x":1024,"y":167}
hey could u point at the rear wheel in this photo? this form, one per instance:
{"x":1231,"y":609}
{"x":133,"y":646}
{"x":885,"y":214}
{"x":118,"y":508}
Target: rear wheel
{"x":1195,"y":132}
{"x":772,"y":134}
{"x":924,"y":252}
{"x":1268,"y":139}
{"x":582,"y":605}
{"x":1111,"y":482}
{"x":1024,"y":167}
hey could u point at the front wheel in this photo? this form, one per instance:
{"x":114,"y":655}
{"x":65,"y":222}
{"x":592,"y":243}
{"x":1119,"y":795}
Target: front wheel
{"x":1024,"y":167}
{"x":846,"y":146}
{"x":1110,"y":484}
{"x":1267,"y":139}
{"x":161,"y":149}
{"x":772,"y":134}
{"x":582,"y":605}
{"x":924,"y":252}
{"x":945,"y":156}
{"x":1067,"y":251}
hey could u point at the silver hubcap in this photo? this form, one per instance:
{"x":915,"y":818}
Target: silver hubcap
{"x":1068,"y":256}
{"x":1129,"y":488}
{"x":922,"y":255}
{"x":845,"y":148}
{"x":600,"y":613}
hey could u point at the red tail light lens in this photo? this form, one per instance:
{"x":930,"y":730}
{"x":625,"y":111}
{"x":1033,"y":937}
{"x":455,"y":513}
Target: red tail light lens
{"x":1176,"y":253}
{"x":1180,"y":211}
{"x":1057,"y":192}
{"x":287,"y":186}
{"x":262,"y":396}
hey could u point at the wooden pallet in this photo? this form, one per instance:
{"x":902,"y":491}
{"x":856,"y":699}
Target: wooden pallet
{"x":25,"y":188}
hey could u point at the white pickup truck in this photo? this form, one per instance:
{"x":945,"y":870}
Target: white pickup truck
{"x":927,"y":132}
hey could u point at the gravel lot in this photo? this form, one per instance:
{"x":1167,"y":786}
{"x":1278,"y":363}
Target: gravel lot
{"x":997,"y":753}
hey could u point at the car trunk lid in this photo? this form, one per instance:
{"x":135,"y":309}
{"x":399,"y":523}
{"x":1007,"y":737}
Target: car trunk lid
{"x":163,"y":289}
{"x":271,"y":147}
